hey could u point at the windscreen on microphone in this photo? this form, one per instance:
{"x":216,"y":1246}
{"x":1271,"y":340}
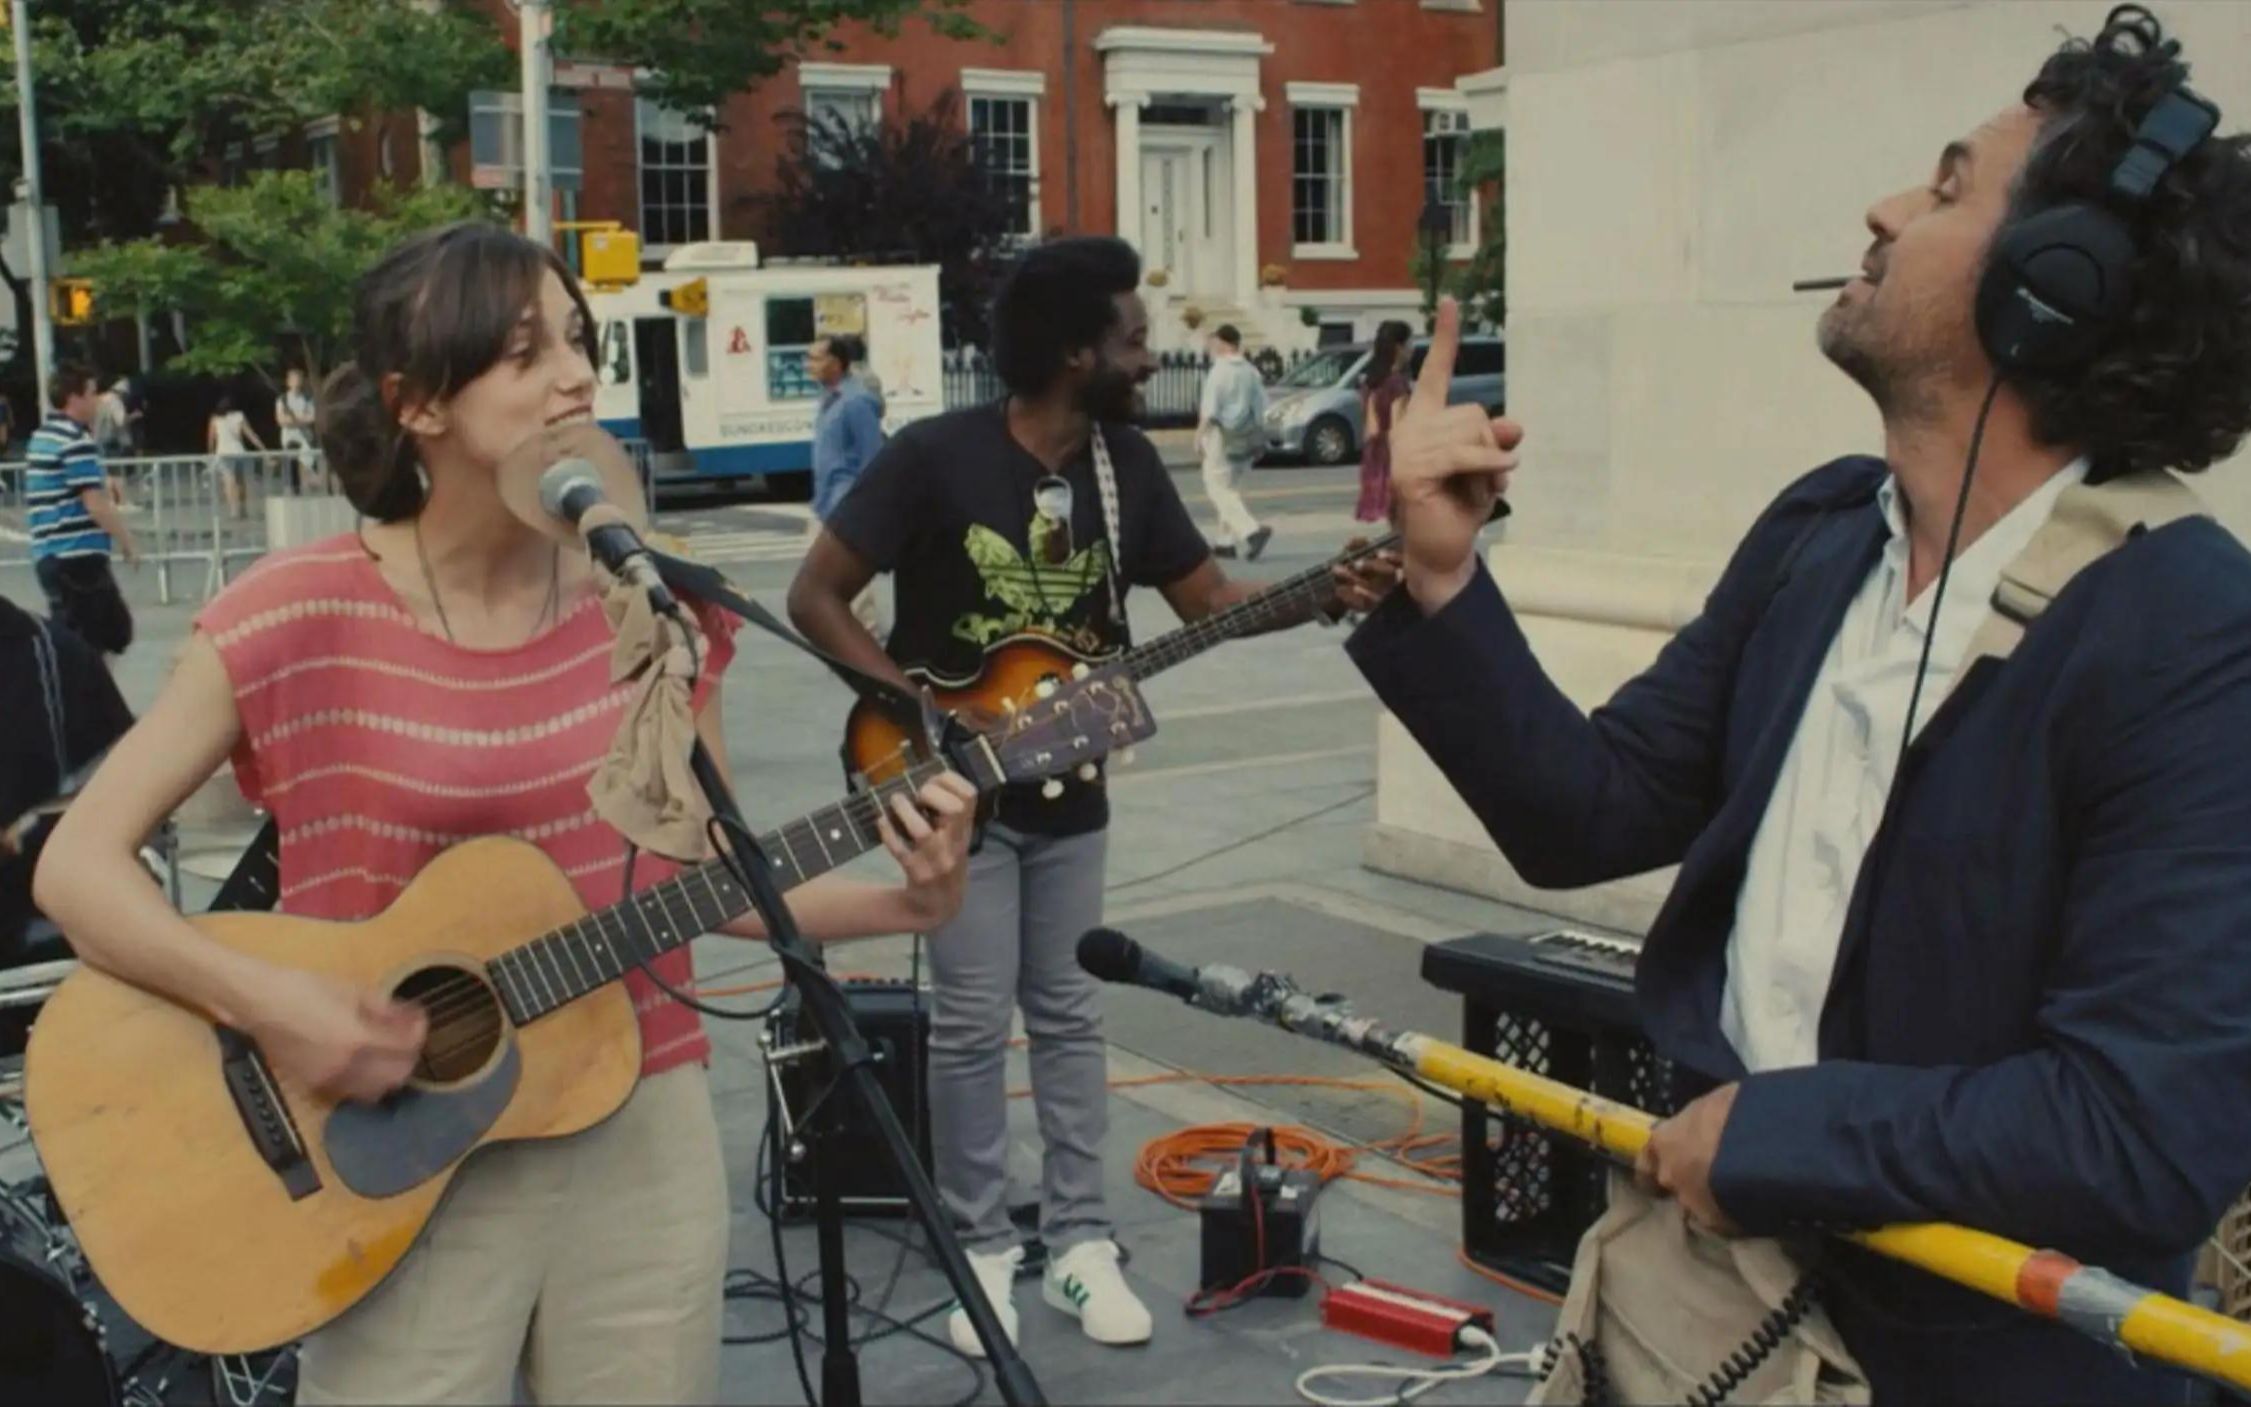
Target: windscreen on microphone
{"x":571,"y":487}
{"x":1109,"y":955}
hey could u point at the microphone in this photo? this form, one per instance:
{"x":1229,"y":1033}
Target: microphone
{"x":572,"y":491}
{"x":1113,"y":957}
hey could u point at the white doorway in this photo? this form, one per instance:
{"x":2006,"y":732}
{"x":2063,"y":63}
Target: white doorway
{"x":1187,"y":210}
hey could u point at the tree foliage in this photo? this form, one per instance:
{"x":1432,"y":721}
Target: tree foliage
{"x":1481,"y":283}
{"x":903,"y":192}
{"x":270,"y":284}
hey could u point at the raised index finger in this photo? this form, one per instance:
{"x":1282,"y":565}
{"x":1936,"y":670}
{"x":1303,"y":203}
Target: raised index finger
{"x":1437,"y":376}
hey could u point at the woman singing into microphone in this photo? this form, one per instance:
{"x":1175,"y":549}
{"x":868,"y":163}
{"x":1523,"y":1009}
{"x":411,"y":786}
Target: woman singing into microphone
{"x":440,"y":674}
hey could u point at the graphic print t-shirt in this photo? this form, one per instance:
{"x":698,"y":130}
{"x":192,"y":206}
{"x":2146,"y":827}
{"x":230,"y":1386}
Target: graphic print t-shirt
{"x":947,"y":508}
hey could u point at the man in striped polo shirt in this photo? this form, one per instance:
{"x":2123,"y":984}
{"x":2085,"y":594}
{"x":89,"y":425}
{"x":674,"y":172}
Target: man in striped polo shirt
{"x":74,"y":520}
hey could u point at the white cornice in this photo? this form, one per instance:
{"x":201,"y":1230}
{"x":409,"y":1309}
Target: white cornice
{"x":1322,"y":94}
{"x":865,"y":78}
{"x":1005,"y":82}
{"x":1181,"y":41}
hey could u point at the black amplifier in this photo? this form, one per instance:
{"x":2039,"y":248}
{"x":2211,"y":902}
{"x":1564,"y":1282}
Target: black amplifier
{"x":894,"y":1017}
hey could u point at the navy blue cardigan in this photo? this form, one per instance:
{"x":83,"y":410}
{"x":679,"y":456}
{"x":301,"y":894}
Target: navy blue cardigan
{"x":2040,"y":1018}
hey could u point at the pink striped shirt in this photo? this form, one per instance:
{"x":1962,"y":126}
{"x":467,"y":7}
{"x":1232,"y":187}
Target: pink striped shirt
{"x":376,"y":744}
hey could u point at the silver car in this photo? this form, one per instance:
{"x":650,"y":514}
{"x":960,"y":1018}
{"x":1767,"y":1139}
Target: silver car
{"x":1314,"y":410}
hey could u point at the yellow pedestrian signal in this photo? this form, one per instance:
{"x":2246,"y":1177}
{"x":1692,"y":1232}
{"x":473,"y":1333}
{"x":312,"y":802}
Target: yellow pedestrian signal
{"x":71,"y":300}
{"x":690,"y":299}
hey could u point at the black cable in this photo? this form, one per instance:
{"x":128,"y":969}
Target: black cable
{"x":693,"y":1003}
{"x":1945,"y":571}
{"x":1348,"y":1267}
{"x":1441,"y":1095}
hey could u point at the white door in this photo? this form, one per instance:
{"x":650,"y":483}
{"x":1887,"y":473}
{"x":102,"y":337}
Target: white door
{"x":1186,"y":221}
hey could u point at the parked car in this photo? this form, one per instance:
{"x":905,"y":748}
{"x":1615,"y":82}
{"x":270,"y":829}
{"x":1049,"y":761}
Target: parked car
{"x":1314,"y":411}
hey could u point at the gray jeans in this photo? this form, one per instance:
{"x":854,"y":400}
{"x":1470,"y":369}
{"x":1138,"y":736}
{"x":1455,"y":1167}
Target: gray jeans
{"x":1015,"y":943}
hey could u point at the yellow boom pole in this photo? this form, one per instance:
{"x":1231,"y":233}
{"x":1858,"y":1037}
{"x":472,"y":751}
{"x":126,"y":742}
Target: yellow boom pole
{"x":2047,"y":1283}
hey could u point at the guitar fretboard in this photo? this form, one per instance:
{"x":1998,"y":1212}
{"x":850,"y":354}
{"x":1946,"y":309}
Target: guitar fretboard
{"x":557,"y":968}
{"x":1285,"y":602}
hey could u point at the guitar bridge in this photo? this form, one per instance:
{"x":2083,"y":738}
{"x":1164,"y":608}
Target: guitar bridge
{"x":272,"y":1130}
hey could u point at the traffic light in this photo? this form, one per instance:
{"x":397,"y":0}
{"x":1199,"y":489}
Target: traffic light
{"x":691,"y":299}
{"x":71,"y":300}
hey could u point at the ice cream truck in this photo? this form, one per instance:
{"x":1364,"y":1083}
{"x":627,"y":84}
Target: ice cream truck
{"x":704,"y":362}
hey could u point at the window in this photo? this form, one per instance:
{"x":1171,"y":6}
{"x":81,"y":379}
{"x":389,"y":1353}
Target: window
{"x":789,"y":335}
{"x":859,"y":110}
{"x":496,"y":139}
{"x":675,"y":176}
{"x":697,"y":333}
{"x":320,"y":157}
{"x":617,"y":353}
{"x":1001,"y":130}
{"x":1319,"y":173}
{"x":1445,"y":145}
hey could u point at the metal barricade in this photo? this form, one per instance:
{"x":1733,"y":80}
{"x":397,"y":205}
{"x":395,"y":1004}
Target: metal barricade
{"x":207,"y":512}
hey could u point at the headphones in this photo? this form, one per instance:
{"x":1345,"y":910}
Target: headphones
{"x":2059,"y":281}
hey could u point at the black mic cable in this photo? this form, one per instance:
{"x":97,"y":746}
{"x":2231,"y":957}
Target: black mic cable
{"x":1945,"y":571}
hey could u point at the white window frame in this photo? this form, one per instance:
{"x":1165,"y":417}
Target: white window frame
{"x":1463,"y":7}
{"x":866,"y":82}
{"x":328,"y":173}
{"x":1029,"y":87}
{"x":1344,"y":100}
{"x":710,"y":186}
{"x":510,"y":103}
{"x":1446,"y":100}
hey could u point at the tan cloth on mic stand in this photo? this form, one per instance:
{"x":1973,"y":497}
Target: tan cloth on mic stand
{"x":645,"y":786}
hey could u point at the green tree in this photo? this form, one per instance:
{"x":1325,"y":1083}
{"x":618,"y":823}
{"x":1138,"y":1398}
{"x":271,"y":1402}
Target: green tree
{"x":1480,"y":283}
{"x":270,"y":284}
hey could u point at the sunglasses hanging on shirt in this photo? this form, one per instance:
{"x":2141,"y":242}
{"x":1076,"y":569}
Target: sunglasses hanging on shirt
{"x":1051,"y":525}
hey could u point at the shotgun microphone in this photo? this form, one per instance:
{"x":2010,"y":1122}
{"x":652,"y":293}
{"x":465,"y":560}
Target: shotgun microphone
{"x":1113,"y":957}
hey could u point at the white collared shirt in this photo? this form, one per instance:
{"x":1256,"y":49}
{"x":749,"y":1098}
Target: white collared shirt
{"x":1829,"y":797}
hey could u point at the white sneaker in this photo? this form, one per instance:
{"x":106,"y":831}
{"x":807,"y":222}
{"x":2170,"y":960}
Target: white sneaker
{"x":996,"y":1275}
{"x":1084,"y":1283}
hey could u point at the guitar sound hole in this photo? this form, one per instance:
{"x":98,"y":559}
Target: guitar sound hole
{"x":465,"y":1022}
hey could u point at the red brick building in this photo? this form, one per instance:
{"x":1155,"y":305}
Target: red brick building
{"x":1268,"y":155}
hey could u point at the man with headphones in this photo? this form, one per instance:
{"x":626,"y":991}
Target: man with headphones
{"x":1955,"y":763}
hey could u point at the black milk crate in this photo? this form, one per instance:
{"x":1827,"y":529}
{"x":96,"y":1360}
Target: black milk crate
{"x":1559,"y":1003}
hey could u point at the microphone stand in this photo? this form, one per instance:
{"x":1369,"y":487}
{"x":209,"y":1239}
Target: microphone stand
{"x":823,"y":1004}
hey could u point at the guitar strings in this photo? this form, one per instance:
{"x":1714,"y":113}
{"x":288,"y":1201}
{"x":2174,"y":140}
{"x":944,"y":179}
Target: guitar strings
{"x":462,"y":993}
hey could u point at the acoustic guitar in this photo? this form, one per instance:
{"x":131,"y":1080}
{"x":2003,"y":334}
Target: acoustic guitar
{"x":229,"y":1210}
{"x":1019,"y":670}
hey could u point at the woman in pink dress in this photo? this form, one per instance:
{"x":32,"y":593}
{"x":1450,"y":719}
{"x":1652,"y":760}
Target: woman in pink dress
{"x":1382,"y":387}
{"x":439,"y":674}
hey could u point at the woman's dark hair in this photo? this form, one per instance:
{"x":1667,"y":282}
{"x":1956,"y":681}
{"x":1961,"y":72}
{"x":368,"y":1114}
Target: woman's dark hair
{"x":2171,"y":389}
{"x":437,"y":312}
{"x":1391,"y":340}
{"x":1058,"y":299}
{"x":225,"y":405}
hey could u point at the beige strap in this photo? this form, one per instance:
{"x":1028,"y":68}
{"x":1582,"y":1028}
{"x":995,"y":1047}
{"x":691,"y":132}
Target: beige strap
{"x":645,"y":786}
{"x":2088,"y":521}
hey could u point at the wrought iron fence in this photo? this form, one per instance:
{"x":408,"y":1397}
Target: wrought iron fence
{"x":1167,"y":398}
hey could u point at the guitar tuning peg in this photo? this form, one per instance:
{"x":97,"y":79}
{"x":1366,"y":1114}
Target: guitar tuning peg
{"x":1008,"y":706}
{"x":1080,"y":671}
{"x":1051,"y":788}
{"x":1044,"y":689}
{"x":1087,"y":772}
{"x":1125,"y":758}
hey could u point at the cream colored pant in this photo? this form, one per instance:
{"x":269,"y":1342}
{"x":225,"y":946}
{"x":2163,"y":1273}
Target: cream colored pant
{"x":593,"y":1263}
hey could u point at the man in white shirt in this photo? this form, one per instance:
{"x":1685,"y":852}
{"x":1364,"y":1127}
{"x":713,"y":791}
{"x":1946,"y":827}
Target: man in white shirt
{"x":293,"y":414}
{"x":1995,"y":976}
{"x":1230,"y":431}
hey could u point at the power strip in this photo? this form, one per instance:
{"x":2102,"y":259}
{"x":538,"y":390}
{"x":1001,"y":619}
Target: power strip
{"x":1410,"y":1319}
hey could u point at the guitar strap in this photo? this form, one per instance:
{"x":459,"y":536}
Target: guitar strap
{"x":1106,"y":485}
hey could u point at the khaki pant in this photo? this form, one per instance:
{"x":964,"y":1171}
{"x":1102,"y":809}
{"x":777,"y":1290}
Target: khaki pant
{"x":593,"y":1263}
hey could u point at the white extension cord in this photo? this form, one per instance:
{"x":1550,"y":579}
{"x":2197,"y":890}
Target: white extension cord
{"x":1417,"y":1381}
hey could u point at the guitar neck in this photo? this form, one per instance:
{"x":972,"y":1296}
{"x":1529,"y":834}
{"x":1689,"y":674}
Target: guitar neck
{"x":1284,"y":601}
{"x":558,"y":968}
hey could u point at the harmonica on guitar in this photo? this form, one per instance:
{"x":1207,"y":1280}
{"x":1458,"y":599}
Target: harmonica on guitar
{"x":229,"y":1210}
{"x":1016,"y":673}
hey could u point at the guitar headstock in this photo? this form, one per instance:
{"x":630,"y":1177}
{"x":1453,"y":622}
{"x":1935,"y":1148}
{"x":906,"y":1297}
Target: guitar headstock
{"x":1079,"y":721}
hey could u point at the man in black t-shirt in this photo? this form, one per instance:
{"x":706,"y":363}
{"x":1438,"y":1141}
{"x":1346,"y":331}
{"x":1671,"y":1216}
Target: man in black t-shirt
{"x":993,"y":522}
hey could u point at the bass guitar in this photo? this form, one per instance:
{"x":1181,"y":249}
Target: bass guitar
{"x":1017,"y":672}
{"x":228,"y":1209}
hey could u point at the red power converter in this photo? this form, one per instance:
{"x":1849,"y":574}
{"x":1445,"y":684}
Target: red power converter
{"x":1404,"y":1318}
